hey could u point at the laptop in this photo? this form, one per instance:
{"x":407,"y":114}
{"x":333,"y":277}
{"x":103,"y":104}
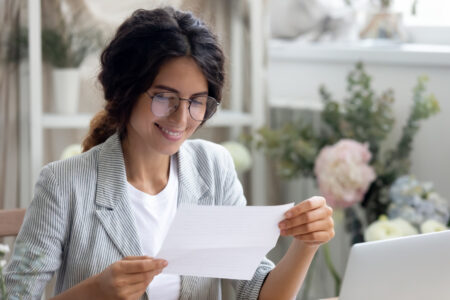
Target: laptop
{"x":413,"y":267}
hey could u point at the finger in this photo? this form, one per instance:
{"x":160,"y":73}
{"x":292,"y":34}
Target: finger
{"x":318,"y":236}
{"x":308,"y":217}
{"x":304,"y":206}
{"x":137,"y":257}
{"x":136,"y":278}
{"x":142,"y":265}
{"x":139,"y":287}
{"x":320,"y":225}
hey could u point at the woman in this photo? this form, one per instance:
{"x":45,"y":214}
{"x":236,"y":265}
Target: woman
{"x":98,"y":218}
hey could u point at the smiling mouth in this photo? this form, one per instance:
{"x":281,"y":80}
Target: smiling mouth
{"x":169,"y":132}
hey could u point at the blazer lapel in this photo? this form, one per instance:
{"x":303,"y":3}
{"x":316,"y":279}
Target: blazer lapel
{"x":114,"y":210}
{"x":192,"y":189}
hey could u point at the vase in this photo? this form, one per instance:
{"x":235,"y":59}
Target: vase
{"x":66,"y":90}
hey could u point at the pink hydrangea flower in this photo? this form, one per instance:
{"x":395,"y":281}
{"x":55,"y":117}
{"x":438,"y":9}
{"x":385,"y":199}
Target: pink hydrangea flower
{"x":343,"y":172}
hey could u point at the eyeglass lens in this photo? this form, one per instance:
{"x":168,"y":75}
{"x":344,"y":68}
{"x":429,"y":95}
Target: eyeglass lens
{"x":200,"y":107}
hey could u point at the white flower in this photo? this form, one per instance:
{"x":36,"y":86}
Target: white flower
{"x":405,"y":226}
{"x":71,"y":150}
{"x":4,"y":249}
{"x":417,"y":202}
{"x":386,"y":229}
{"x":432,"y":226}
{"x":2,"y":263}
{"x":241,"y":156}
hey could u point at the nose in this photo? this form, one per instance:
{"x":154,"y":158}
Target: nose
{"x":181,"y":115}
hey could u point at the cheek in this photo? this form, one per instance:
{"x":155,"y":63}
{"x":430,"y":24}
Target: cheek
{"x":141,"y":120}
{"x":192,"y":127}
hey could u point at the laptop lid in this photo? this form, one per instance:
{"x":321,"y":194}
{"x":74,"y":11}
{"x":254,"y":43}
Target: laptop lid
{"x":413,"y":267}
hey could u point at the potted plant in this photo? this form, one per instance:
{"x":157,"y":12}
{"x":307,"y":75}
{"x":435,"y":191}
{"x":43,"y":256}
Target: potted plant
{"x":65,"y":47}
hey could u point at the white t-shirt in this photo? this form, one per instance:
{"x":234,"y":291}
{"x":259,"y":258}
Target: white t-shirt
{"x":154,"y":215}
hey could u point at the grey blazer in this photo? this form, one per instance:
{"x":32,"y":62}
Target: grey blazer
{"x":80,"y":220}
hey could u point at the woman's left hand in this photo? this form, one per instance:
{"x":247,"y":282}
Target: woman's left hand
{"x":310,"y":222}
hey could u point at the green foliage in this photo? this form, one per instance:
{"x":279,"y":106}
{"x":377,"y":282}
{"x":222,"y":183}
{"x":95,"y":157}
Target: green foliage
{"x":424,"y":106}
{"x":362,"y":116}
{"x":365,"y":117}
{"x":17,"y":45}
{"x":414,"y":7}
{"x":386,"y":3}
{"x":294,"y":148}
{"x":60,"y":47}
{"x":67,"y":48}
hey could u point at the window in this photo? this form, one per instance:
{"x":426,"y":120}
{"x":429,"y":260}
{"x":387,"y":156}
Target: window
{"x":428,"y":12}
{"x":430,"y":24}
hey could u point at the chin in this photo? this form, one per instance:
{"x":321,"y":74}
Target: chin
{"x":170,"y":150}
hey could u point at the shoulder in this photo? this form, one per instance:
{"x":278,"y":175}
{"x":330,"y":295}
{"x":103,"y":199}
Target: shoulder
{"x":211,"y":161}
{"x":207,"y":153}
{"x":84,"y":164}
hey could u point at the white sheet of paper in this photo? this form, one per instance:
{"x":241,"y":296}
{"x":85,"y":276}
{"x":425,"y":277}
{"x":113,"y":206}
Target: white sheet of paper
{"x":221,"y":241}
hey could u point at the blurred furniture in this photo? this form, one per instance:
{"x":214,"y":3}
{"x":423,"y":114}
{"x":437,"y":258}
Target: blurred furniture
{"x":11,"y":221}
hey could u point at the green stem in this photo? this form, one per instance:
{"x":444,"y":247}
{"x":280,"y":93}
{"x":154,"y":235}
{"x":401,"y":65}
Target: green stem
{"x":332,"y":269}
{"x":2,"y":285}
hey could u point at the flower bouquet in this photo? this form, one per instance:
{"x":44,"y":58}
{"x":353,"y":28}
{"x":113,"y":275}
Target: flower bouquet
{"x":344,"y":156}
{"x":414,"y":207}
{"x":4,"y":249}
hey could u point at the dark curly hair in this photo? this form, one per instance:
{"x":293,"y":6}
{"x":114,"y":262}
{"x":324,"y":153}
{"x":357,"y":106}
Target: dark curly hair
{"x":131,"y":61}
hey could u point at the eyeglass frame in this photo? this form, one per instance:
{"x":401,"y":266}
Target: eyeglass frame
{"x":189,"y":100}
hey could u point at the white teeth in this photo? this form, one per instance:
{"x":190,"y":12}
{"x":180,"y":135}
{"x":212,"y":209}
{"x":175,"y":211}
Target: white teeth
{"x":170,"y":132}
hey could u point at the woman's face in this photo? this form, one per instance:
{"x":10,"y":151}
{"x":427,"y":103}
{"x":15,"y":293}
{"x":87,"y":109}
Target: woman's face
{"x":165,"y":135}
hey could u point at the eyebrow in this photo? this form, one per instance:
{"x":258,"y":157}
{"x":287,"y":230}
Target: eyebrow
{"x":163,"y":87}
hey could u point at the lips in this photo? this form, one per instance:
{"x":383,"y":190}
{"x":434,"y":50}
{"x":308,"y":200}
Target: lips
{"x":170,"y":133}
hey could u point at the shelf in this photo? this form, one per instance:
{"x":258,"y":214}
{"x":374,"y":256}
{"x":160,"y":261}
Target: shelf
{"x":227,"y":118}
{"x":298,"y":104}
{"x":399,"y":54}
{"x":60,"y":121}
{"x":223,"y":118}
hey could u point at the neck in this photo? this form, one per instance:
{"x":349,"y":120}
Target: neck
{"x":146,"y":170}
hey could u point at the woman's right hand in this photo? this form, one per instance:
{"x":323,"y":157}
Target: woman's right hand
{"x":128,"y":278}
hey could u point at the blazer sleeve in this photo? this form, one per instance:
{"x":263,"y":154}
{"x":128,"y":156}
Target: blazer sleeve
{"x":234,"y":195}
{"x":39,"y":245}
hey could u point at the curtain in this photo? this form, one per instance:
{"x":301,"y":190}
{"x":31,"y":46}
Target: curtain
{"x":10,"y":55}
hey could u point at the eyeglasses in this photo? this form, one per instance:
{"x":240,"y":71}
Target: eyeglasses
{"x":201,"y":108}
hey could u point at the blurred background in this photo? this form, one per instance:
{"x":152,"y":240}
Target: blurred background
{"x":304,"y":78}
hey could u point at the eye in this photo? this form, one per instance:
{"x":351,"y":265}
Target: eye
{"x":162,"y":97}
{"x":199,"y":101}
